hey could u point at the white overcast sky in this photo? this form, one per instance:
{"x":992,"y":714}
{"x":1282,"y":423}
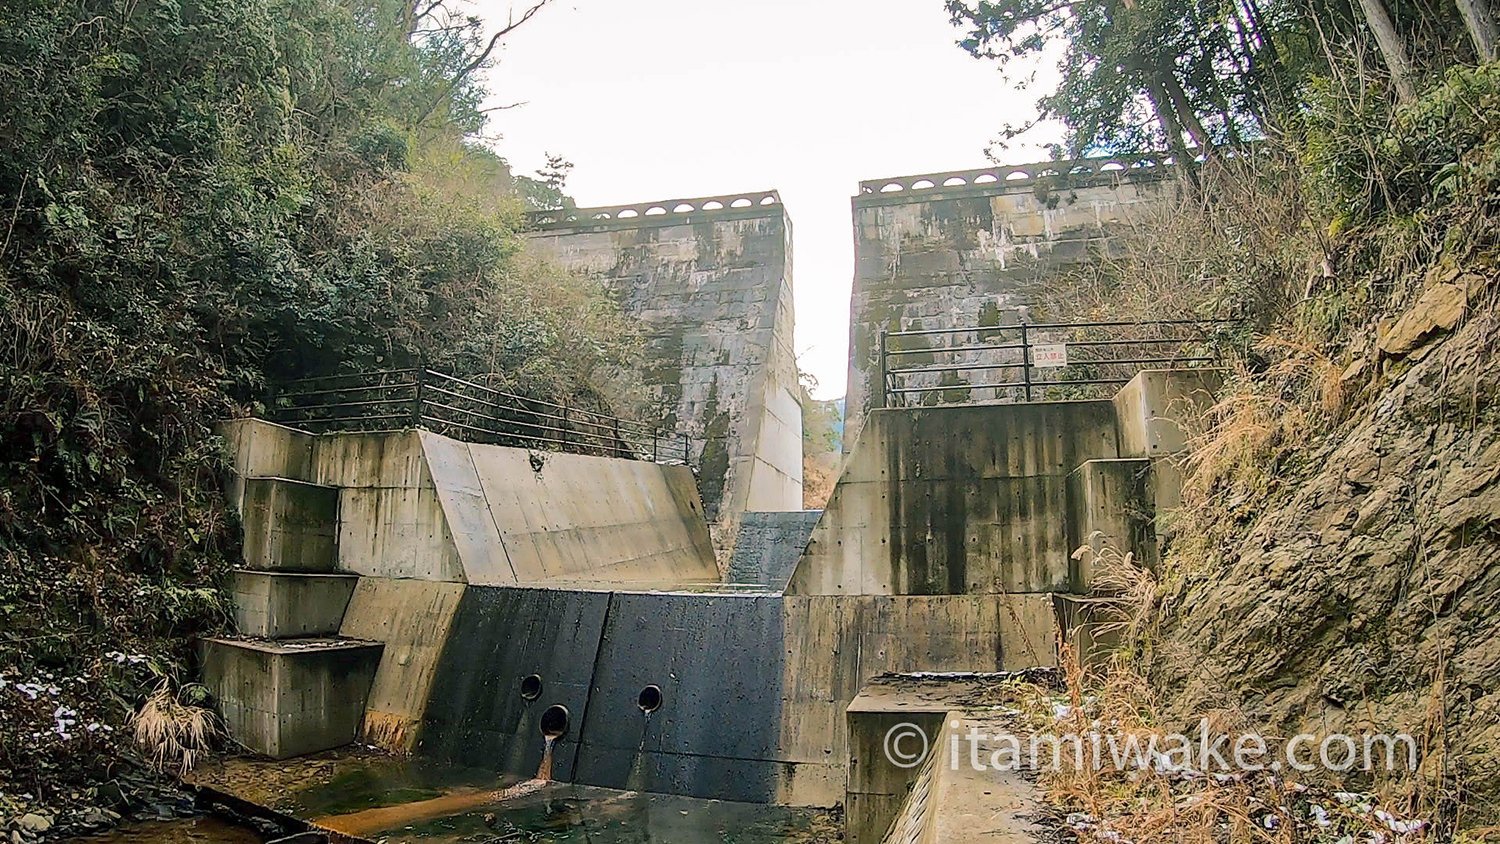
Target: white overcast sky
{"x":660,"y":99}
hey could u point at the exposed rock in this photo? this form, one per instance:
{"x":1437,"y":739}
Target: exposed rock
{"x":1439,"y":309}
{"x":33,"y":822}
{"x":1365,"y":596}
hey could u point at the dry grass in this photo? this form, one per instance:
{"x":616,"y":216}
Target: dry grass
{"x":1123,"y":592}
{"x":174,"y":735}
{"x":1159,"y":802}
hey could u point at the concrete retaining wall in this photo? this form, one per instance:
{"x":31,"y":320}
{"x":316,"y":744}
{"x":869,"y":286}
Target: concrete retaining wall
{"x":955,"y":500}
{"x":290,"y":699}
{"x":421,"y":506}
{"x":277,"y":605}
{"x":712,"y":289}
{"x":753,"y":686}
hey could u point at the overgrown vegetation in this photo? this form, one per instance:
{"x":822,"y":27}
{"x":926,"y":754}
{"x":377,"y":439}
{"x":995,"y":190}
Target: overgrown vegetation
{"x":1336,"y":561}
{"x":197,"y":198}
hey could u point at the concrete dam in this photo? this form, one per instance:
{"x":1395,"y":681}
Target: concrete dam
{"x":680,"y":627}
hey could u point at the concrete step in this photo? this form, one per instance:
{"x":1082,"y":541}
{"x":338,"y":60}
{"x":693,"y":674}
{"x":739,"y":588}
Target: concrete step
{"x":289,"y":525}
{"x":279,"y":604}
{"x":292,"y":697}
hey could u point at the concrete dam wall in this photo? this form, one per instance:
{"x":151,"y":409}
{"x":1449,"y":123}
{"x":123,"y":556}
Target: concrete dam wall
{"x":943,"y":549}
{"x":973,"y":247}
{"x":710,"y":281}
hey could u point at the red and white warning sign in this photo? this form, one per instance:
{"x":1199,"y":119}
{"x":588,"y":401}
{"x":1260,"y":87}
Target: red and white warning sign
{"x":1049,"y":355}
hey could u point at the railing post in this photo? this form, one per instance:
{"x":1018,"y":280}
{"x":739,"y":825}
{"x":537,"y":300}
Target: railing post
{"x":619,"y":444}
{"x":881,"y":372}
{"x":687,"y":450}
{"x":1026,"y":360}
{"x":418,"y":397}
{"x":655,"y":439}
{"x":564,"y":423}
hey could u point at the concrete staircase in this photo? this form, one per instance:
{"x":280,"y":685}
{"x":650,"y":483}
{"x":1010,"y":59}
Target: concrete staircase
{"x":288,"y":684}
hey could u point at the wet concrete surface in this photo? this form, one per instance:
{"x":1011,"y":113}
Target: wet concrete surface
{"x":560,"y":812}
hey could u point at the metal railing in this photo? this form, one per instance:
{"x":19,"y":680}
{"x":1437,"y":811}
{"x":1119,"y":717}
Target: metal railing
{"x":1011,"y":362}
{"x":394,"y":399}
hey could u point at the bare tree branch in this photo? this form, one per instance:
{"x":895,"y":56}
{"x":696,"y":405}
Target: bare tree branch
{"x":479,"y":60}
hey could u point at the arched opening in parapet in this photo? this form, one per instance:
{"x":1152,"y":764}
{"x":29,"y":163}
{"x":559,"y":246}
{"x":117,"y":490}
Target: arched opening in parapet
{"x":768,"y":200}
{"x":985,"y":178}
{"x":603,"y":215}
{"x":713,"y":205}
{"x":1112,"y":167}
{"x":655,"y":211}
{"x":683,"y":208}
{"x":628,"y":212}
{"x":649,"y":700}
{"x":554,"y":722}
{"x":531,"y":686}
{"x":922,"y":184}
{"x":954,"y":181}
{"x":1081,"y":170}
{"x":892,"y":187}
{"x":741,"y":203}
{"x":1017,"y":175}
{"x":1050,"y":172}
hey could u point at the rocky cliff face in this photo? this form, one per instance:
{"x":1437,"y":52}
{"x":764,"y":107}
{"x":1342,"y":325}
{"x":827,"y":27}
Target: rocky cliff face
{"x":1361,"y":591}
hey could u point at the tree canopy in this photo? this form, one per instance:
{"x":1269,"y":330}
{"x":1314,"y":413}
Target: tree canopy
{"x":198,"y":198}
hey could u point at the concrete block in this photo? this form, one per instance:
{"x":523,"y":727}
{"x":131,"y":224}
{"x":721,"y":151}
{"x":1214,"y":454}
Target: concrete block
{"x":285,"y":699}
{"x":1152,"y":407}
{"x":277,"y":605}
{"x":1112,"y":510}
{"x":412,"y":618}
{"x":289,"y":525}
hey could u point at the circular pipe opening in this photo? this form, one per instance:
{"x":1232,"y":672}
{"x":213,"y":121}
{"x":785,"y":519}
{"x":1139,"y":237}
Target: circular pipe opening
{"x":649,"y":700}
{"x":554,"y":721}
{"x":531,"y":686}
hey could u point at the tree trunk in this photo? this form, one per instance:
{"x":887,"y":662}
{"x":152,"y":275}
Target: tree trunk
{"x":1391,"y":47}
{"x":1480,"y":19}
{"x":1188,"y":116}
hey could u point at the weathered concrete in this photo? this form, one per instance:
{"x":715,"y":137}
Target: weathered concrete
{"x":289,"y":525}
{"x":768,"y":547}
{"x":1152,"y":405}
{"x":753,"y":686}
{"x":476,"y":713}
{"x":1111,"y":505}
{"x":970,"y":248}
{"x":966,"y":805}
{"x":412,"y":618}
{"x":955,"y":500}
{"x":943,"y":797}
{"x":711,"y":282}
{"x":577,"y":519}
{"x":422,"y":506}
{"x":278,"y":604}
{"x":287,"y":699}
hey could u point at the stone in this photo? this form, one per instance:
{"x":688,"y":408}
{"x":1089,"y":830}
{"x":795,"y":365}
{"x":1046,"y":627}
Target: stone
{"x":1439,"y":309}
{"x":37,"y":823}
